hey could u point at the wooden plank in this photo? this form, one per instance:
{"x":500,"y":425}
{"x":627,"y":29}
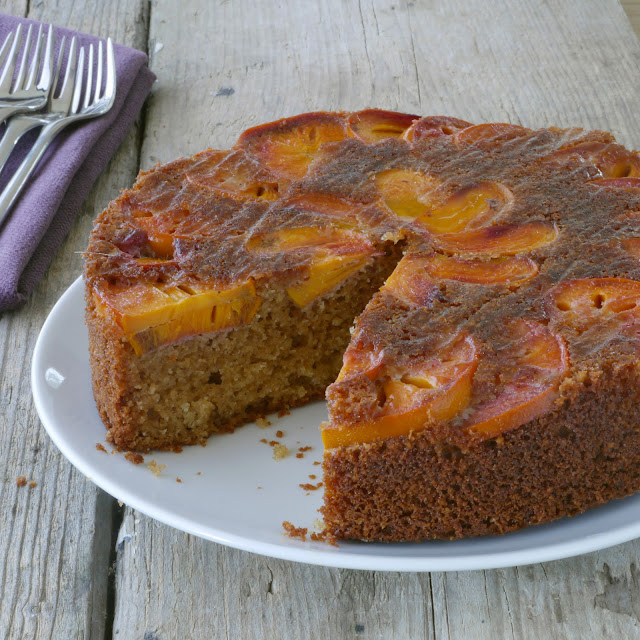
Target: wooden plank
{"x":538,"y":63}
{"x":55,"y":539}
{"x":632,"y":9}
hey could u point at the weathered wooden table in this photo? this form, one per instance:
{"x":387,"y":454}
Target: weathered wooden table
{"x":73,"y":563}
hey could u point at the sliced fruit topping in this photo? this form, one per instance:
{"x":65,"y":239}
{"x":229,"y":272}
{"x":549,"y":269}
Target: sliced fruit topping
{"x":488,"y":136}
{"x":158,"y":239}
{"x":373,"y":125}
{"x":612,"y":160}
{"x":617,"y":183}
{"x":507,"y":270}
{"x":434,"y":126}
{"x":340,"y":211}
{"x":405,"y":191}
{"x":468,"y":208}
{"x":409,"y":283}
{"x":434,"y":389}
{"x":582,"y":304}
{"x":288,"y":146}
{"x":325,"y":274}
{"x":530,"y":367}
{"x":317,"y":240}
{"x":235,"y":174}
{"x":334,"y":255}
{"x":504,"y":239}
{"x":152,"y":315}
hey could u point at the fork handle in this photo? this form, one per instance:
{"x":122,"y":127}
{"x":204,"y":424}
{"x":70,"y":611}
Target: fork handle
{"x":16,"y":128}
{"x":20,"y":106}
{"x":24,"y":171}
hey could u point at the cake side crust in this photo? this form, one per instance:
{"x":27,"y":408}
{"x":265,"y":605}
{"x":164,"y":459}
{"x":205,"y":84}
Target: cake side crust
{"x":582,"y":454}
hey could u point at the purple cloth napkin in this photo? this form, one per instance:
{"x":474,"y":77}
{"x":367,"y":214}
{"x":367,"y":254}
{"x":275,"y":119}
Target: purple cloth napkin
{"x":44,"y":212}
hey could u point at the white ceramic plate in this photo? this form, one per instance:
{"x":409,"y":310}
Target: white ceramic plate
{"x":219,"y":497}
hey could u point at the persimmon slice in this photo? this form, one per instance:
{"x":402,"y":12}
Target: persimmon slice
{"x":288,"y":146}
{"x":318,"y":240}
{"x":491,"y":135}
{"x":235,"y":174}
{"x":612,"y":160}
{"x":434,"y":126}
{"x":152,"y":315}
{"x":506,"y":270}
{"x":581,"y":304}
{"x":324,"y":274}
{"x":342,"y":212}
{"x":470,"y":207}
{"x":405,"y":191}
{"x":335,"y":254}
{"x":531,"y":369}
{"x":373,"y":125}
{"x":504,"y":239}
{"x":410,"y":283}
{"x":434,"y":389}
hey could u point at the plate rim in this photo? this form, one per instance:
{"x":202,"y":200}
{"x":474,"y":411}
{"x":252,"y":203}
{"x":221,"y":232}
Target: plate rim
{"x":334,"y":557}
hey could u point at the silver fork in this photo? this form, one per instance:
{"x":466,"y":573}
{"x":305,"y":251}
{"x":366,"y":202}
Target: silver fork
{"x":69,"y":106}
{"x":30,"y":94}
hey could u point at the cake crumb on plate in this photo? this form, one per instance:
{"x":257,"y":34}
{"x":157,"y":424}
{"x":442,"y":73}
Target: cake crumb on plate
{"x":293,"y":531}
{"x":280,"y":451}
{"x":133,"y":457}
{"x":156,"y":468}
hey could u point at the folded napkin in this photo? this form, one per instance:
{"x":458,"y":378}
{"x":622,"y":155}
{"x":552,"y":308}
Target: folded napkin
{"x":46,"y":208}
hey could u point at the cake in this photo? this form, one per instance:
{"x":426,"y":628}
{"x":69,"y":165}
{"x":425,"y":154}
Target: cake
{"x":490,"y":381}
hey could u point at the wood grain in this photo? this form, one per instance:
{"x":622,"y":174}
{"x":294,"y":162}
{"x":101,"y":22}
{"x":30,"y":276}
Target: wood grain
{"x":632,"y":9}
{"x":55,"y":538}
{"x":535,"y":63}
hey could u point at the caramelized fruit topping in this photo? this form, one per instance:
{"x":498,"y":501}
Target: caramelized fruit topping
{"x":405,"y":191}
{"x":288,"y":146}
{"x":434,"y":389}
{"x":506,"y":270}
{"x":530,"y":369}
{"x":504,"y":239}
{"x":434,"y":126}
{"x":154,"y":315}
{"x":490,"y":136}
{"x":234,"y":174}
{"x":468,"y":208}
{"x":409,"y":283}
{"x":582,"y":304}
{"x":612,"y":160}
{"x":335,"y":255}
{"x":373,"y":125}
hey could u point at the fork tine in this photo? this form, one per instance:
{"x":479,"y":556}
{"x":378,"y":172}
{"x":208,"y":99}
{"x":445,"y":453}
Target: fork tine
{"x":67,"y":87}
{"x":7,"y":73}
{"x":110,"y":84}
{"x":98,"y":73}
{"x":87,"y":91}
{"x":47,"y":62}
{"x":23,"y":62}
{"x":56,"y":77}
{"x":35,"y":61}
{"x":5,"y":47}
{"x":77,"y":85}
